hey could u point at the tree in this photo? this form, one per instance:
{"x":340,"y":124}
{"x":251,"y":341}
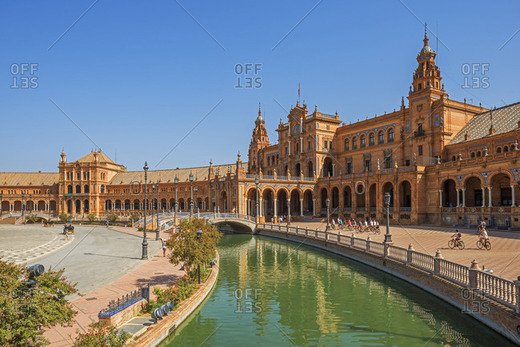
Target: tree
{"x":65,"y":217}
{"x":185,"y":247}
{"x":91,"y":217}
{"x":112,"y":218}
{"x":26,"y":310}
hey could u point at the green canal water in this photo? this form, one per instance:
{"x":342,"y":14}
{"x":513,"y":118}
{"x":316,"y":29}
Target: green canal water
{"x":273,"y":293}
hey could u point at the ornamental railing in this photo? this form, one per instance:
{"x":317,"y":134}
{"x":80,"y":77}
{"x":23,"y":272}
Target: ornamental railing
{"x":498,"y":289}
{"x":115,"y":306}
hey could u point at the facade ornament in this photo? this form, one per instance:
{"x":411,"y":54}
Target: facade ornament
{"x":396,"y":164}
{"x":238,"y":156}
{"x":516,"y":145}
{"x":438,"y":158}
{"x":485,"y":151}
{"x":414,"y":159}
{"x":460,"y":156}
{"x":378,"y":164}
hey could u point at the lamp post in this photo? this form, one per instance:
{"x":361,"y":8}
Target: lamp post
{"x":328,"y":214}
{"x":196,"y":189}
{"x":23,"y":207}
{"x":176,"y":181}
{"x":1,"y":197}
{"x":49,"y":203}
{"x":191,"y":194}
{"x":108,"y":206}
{"x":388,"y":237}
{"x":288,"y":212}
{"x":199,"y":234}
{"x":30,"y":199}
{"x":257,"y":182}
{"x":157,"y":214}
{"x":144,"y":254}
{"x":153,"y":206}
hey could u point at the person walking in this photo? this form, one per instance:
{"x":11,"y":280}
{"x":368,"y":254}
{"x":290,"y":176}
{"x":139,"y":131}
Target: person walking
{"x":163,"y":243}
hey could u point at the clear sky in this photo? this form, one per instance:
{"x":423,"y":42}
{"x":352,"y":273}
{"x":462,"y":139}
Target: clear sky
{"x":137,"y":76}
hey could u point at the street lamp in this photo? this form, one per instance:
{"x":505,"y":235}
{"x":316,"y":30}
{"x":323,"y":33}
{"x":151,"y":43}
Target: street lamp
{"x":191,"y":193}
{"x":157,"y":214}
{"x":388,"y":237}
{"x":144,"y":254}
{"x":49,"y":203}
{"x":23,"y":207}
{"x":153,"y":206}
{"x":257,"y":182}
{"x":30,"y":199}
{"x":176,"y":181}
{"x":328,"y":214}
{"x":196,"y":189}
{"x":288,"y":212}
{"x":199,"y":234}
{"x":1,"y":197}
{"x":108,"y":206}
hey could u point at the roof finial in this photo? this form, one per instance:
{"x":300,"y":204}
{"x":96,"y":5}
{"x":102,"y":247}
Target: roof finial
{"x":259,"y":107}
{"x":425,"y":35}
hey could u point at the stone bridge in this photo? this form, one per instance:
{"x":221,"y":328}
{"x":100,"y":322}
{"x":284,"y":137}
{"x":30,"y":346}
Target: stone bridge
{"x":226,"y":222}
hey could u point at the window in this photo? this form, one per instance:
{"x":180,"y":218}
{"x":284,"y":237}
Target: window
{"x":78,"y":189}
{"x":407,"y":162}
{"x":437,"y":120}
{"x":362,"y":141}
{"x":473,"y":154}
{"x":348,"y":165}
{"x":69,"y":189}
{"x":420,"y":86}
{"x":381,"y":137}
{"x":506,"y":149}
{"x":366,"y":163}
{"x":102,"y":189}
{"x":297,"y":148}
{"x":325,"y":145}
{"x":420,"y":150}
{"x":387,"y":162}
{"x":391,"y":135}
{"x":371,"y":139}
{"x":407,"y":126}
{"x":79,"y":175}
{"x":347,"y":144}
{"x":297,"y":129}
{"x":286,"y":150}
{"x":268,"y":161}
{"x":309,"y":146}
{"x":354,"y":143}
{"x":478,"y":153}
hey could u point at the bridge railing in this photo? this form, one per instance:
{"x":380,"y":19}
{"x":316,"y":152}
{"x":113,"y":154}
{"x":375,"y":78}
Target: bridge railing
{"x":498,"y":289}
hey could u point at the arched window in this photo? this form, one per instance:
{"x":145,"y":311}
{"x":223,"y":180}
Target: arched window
{"x":69,"y":189}
{"x":371,"y":139}
{"x":354,"y":143}
{"x":86,"y":188}
{"x":78,"y":189}
{"x":381,"y":137}
{"x":473,"y":154}
{"x":506,"y":149}
{"x":347,"y":144}
{"x":478,"y":153}
{"x":102,"y":189}
{"x":362,"y":141}
{"x":499,"y":149}
{"x":391,"y":135}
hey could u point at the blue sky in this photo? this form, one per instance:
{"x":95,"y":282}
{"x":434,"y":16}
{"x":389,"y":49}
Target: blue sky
{"x":137,"y":76}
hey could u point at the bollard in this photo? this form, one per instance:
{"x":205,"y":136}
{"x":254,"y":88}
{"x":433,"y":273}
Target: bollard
{"x":409,"y":254}
{"x":517,"y":291}
{"x":368,"y":244}
{"x":352,"y":240}
{"x":306,"y":231}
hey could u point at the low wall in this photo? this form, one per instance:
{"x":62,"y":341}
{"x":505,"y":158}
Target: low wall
{"x":123,"y":316}
{"x":500,"y":318}
{"x":157,"y":333}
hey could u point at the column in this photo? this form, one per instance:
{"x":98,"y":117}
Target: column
{"x":458,"y":197}
{"x":314,"y":207}
{"x":247,"y":207}
{"x":513,"y":203}
{"x":440,"y":198}
{"x":275,"y":208}
{"x":463,"y":197}
{"x":490,"y":197}
{"x":260,"y":207}
{"x":301,"y":206}
{"x":333,"y":169}
{"x":483,"y":197}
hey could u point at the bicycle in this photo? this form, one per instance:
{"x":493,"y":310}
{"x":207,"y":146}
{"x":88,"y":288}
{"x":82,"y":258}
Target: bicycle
{"x":484,"y":243}
{"x":454,"y":243}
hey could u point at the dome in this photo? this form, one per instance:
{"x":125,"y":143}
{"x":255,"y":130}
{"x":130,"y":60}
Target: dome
{"x":426,"y":50}
{"x":259,"y":118}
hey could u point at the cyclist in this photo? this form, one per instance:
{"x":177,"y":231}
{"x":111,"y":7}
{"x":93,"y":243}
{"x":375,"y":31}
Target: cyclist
{"x":458,"y":236}
{"x":483,"y":235}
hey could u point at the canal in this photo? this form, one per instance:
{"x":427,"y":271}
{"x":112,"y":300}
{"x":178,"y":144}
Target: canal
{"x":273,"y":292}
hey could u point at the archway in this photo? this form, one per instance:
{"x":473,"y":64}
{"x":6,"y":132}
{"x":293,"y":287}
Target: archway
{"x":324,"y":195}
{"x":29,"y":205}
{"x":298,"y":169}
{"x":474,"y":193}
{"x":251,"y":202}
{"x":501,"y":193}
{"x":181,"y":204}
{"x":108,"y":205}
{"x":268,"y":202}
{"x":449,"y":193}
{"x":334,"y":200}
{"x":53,"y":205}
{"x":328,"y":168}
{"x":307,"y":202}
{"x":86,"y":206}
{"x":5,"y":206}
{"x":41,"y":205}
{"x":127,"y":204}
{"x":295,"y":203}
{"x":78,"y":206}
{"x":347,"y":197}
{"x":405,"y":195}
{"x":372,"y":196}
{"x":69,"y":206}
{"x":17,"y":206}
{"x":137,"y":206}
{"x":389,"y":188}
{"x":281,"y":197}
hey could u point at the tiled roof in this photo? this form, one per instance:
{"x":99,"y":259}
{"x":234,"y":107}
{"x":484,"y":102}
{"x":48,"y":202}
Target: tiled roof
{"x":505,"y":119}
{"x":28,"y":179}
{"x":102,"y":158}
{"x":199,"y":174}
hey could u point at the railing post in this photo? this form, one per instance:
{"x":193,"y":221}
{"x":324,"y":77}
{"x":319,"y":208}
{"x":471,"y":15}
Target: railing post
{"x":517,"y":292}
{"x":306,"y":231}
{"x":315,"y":233}
{"x":473,"y":273}
{"x":368,"y":244}
{"x":437,"y":263}
{"x":338,"y":235}
{"x":409,"y":254}
{"x":352,"y":240}
{"x":296,"y":230}
{"x":326,"y":235}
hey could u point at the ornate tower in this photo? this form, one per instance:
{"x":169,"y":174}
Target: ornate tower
{"x":258,"y":141}
{"x":427,"y":76}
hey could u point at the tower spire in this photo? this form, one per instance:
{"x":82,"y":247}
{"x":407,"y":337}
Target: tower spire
{"x":425,"y":35}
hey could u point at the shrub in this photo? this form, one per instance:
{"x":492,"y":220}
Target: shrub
{"x":91,"y":217}
{"x":65,"y":217}
{"x":101,"y":335}
{"x":112,"y":218}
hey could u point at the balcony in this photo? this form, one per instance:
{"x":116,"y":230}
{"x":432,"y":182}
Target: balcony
{"x":418,"y":133}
